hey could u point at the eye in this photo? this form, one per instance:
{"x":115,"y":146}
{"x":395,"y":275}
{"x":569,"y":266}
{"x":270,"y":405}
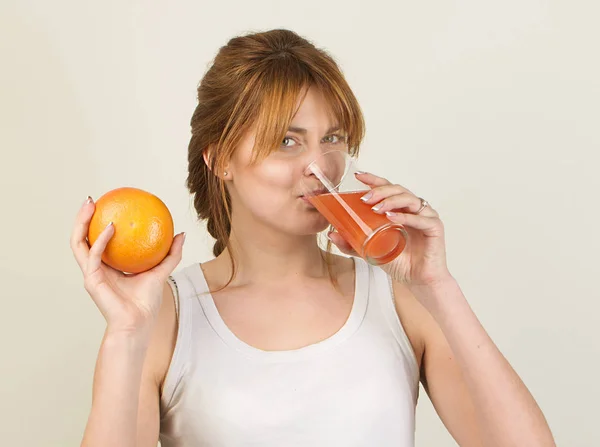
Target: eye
{"x":288,"y":142}
{"x":335,"y":139}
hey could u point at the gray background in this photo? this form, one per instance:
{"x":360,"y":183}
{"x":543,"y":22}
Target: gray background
{"x":488,"y":109}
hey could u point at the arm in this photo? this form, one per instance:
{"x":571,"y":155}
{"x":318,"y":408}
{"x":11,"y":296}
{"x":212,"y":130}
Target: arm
{"x":477,"y":394}
{"x":116,"y":391}
{"x":133,"y":352}
{"x":129,"y":370}
{"x":475,"y":391}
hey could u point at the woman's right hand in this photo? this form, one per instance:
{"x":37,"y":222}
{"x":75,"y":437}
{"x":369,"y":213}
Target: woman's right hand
{"x":129,"y":303}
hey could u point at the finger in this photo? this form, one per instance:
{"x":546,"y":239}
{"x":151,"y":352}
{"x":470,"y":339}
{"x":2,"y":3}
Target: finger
{"x":167,"y":265}
{"x":341,"y":243}
{"x":430,"y":226}
{"x":378,"y":193}
{"x":403,"y":200}
{"x":95,"y":256}
{"x":375,"y":181}
{"x":78,"y":241}
{"x":371,"y":179}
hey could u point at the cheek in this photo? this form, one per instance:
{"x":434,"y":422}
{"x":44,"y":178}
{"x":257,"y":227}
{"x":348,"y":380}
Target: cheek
{"x":273,"y":182}
{"x":282,"y":175}
{"x":270,"y":193}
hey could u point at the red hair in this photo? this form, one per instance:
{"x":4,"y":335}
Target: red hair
{"x":256,"y":80}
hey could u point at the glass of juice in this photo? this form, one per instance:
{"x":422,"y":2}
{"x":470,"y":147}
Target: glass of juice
{"x":331,"y":186}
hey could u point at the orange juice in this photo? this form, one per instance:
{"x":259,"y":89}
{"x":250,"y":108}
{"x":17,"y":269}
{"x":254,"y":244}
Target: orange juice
{"x":371,"y":235}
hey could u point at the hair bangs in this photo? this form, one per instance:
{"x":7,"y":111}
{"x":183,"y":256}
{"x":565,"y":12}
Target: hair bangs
{"x":280,"y":91}
{"x":281,"y":86}
{"x":345,"y":110}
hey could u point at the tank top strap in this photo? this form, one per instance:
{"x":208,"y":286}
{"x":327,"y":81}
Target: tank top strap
{"x":382,"y":292}
{"x":182,"y":284}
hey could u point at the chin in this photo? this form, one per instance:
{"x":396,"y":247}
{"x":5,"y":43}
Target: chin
{"x":304,"y":225}
{"x":314,"y":224}
{"x":300,"y":221}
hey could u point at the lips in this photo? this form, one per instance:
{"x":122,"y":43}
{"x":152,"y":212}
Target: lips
{"x":316,"y":192}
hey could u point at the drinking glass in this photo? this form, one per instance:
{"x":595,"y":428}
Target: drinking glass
{"x":331,"y":186}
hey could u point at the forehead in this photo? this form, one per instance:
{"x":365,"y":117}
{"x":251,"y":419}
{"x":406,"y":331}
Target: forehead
{"x":313,"y":111}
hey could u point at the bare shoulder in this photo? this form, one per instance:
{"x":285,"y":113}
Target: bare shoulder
{"x":415,"y":319}
{"x":164,"y":336}
{"x":344,"y":273}
{"x":343,"y":265}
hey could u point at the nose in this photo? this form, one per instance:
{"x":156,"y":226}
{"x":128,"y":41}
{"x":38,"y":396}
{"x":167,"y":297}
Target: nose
{"x":326,"y":166}
{"x":309,"y":155}
{"x":311,"y":152}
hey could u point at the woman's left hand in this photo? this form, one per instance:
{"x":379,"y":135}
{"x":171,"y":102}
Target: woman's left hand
{"x":423,"y":261}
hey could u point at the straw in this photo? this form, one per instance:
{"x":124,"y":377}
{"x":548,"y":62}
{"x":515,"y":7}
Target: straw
{"x":331,"y":188}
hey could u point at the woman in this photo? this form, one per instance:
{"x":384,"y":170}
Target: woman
{"x":276,"y":342}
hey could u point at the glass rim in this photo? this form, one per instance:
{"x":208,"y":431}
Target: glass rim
{"x":350,"y":162}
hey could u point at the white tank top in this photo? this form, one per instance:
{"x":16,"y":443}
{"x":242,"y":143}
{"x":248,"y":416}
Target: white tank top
{"x":358,"y":387}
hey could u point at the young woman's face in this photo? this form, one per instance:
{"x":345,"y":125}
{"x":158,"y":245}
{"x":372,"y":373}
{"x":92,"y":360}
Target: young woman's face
{"x":270,"y":191}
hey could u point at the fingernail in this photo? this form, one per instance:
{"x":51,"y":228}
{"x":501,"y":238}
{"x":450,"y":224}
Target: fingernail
{"x":109,"y":224}
{"x":366,"y":197}
{"x":183,"y":237}
{"x":360,"y":172}
{"x":377,"y":207}
{"x":88,"y":200}
{"x":329,"y":235}
{"x":390,"y":214}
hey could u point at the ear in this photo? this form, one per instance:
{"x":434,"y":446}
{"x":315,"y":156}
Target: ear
{"x":206,"y":157}
{"x":225,"y":175}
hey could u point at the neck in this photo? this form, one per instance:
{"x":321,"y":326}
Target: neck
{"x":263,"y":254}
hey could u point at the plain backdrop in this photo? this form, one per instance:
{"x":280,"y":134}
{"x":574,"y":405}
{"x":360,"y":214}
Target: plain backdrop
{"x":488,"y":109}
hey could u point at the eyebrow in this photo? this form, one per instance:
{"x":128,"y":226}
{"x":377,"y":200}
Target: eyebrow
{"x":303,"y":131}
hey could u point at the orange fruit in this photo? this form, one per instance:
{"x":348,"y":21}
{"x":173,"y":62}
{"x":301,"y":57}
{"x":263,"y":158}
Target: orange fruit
{"x":143,"y":229}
